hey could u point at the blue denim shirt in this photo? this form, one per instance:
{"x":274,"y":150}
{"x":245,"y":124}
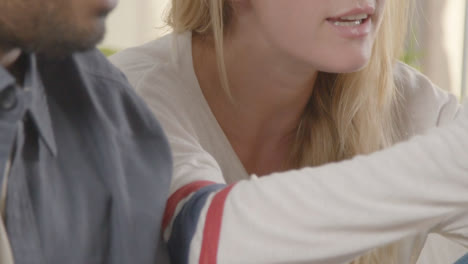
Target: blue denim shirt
{"x":463,"y":260}
{"x":91,"y":166}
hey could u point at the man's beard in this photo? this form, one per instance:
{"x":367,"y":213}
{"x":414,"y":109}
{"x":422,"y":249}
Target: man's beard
{"x":51,"y":35}
{"x":64,"y":41}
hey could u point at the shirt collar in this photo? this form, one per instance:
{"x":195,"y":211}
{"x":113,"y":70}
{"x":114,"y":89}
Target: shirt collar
{"x":39,"y":108}
{"x":6,"y":79}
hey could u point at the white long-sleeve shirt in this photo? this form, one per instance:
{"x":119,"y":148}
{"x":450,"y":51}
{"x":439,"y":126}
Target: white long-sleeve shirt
{"x":217,"y":213}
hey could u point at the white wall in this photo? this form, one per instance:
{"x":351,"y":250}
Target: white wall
{"x":453,"y":23}
{"x":439,"y":27}
{"x":135,"y":22}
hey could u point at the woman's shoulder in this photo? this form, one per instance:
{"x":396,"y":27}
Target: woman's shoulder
{"x":141,"y":59}
{"x":156,"y":61}
{"x":423,"y":104}
{"x":161,"y":72}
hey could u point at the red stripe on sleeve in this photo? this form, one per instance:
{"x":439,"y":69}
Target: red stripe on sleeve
{"x":212,"y":229}
{"x":179,"y":195}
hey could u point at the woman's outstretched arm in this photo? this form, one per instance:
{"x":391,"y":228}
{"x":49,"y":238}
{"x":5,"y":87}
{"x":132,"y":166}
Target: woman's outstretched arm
{"x":328,"y":214}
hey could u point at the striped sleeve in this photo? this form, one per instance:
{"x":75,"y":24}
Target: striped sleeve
{"x":195,"y":210}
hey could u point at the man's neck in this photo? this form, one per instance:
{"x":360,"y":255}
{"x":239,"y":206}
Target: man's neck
{"x":9,"y":57}
{"x":11,"y":60}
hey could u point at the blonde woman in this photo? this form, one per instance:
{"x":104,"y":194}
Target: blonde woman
{"x":255,"y":94}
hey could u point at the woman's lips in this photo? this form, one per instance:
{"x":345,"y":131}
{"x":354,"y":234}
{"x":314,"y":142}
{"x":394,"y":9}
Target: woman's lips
{"x":356,"y":23}
{"x":352,"y":20}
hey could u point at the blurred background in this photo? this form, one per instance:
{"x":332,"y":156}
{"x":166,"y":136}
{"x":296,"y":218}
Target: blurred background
{"x":437,"y":42}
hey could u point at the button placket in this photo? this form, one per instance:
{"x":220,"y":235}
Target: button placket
{"x":8,"y":98}
{"x":12,"y":109}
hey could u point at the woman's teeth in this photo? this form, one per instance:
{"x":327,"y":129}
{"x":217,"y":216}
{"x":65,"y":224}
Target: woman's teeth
{"x":350,"y":21}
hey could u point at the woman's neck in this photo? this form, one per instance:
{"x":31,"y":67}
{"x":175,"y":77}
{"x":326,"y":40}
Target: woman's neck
{"x":269,"y":96}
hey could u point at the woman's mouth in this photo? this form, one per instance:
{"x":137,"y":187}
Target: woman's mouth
{"x":350,"y":21}
{"x":354,"y":24}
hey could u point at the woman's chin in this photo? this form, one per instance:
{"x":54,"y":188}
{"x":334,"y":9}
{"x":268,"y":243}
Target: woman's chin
{"x":346,"y":67}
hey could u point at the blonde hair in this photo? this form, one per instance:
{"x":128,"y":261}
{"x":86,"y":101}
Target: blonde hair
{"x":347,"y":114}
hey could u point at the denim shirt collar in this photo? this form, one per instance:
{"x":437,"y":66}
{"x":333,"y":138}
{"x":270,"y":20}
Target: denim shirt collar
{"x":38,"y":107}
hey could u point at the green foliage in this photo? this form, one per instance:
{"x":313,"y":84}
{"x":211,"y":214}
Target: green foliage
{"x":411,"y":57}
{"x":412,"y":54}
{"x":107,"y":51}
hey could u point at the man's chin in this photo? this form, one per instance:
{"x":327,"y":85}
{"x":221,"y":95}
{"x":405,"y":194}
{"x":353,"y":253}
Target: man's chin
{"x":62,"y":47}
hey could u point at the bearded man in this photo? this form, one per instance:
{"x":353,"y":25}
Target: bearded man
{"x":84,"y":166}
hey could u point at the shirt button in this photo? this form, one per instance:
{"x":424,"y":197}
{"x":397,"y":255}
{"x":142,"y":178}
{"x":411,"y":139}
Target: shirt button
{"x":8,"y":98}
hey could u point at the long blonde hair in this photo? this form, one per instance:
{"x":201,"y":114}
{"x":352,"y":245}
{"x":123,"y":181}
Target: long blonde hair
{"x":347,"y":114}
